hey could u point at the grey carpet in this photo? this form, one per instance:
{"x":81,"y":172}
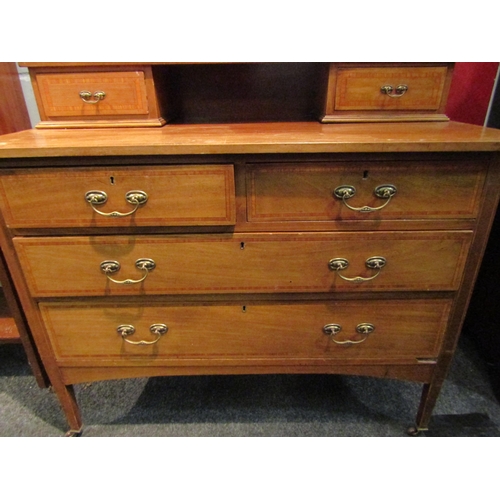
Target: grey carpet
{"x":270,"y":405}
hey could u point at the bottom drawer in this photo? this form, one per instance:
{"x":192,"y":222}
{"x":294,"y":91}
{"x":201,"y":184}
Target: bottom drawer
{"x":85,"y":334}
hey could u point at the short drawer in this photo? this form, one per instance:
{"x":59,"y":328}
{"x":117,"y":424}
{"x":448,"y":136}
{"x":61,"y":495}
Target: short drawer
{"x":89,"y":97}
{"x":193,"y":195}
{"x":388,"y":190}
{"x":245,"y":333}
{"x":387,"y":92}
{"x":243,"y":263}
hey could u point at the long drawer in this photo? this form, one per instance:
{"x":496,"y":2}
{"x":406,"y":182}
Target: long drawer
{"x":364,"y":191}
{"x":192,"y":195}
{"x":301,"y":332}
{"x":243,"y":263}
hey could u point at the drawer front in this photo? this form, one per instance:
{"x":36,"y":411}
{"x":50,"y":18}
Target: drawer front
{"x":361,"y":89}
{"x":306,"y":192}
{"x":194,"y":195}
{"x":194,"y":334}
{"x":244,"y":263}
{"x":125,"y":93}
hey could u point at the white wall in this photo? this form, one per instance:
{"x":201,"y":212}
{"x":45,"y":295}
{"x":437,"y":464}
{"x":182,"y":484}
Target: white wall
{"x":29,"y":96}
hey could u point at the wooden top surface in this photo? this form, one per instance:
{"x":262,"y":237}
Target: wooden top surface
{"x":307,"y":137}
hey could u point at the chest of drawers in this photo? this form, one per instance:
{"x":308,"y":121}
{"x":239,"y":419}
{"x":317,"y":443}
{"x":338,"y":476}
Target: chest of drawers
{"x":250,"y":248}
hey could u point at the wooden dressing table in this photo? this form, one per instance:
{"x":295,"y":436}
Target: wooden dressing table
{"x":212,"y":245}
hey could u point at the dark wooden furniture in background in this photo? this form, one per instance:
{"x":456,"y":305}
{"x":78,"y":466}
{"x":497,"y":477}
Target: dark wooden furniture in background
{"x":13,"y":328}
{"x":13,"y":111}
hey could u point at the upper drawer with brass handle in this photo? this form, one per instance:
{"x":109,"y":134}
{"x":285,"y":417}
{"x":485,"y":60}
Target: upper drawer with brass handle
{"x":192,"y":195}
{"x":386,"y":190}
{"x":89,"y":97}
{"x":234,"y":333}
{"x":382,"y":92}
{"x":244,"y":263}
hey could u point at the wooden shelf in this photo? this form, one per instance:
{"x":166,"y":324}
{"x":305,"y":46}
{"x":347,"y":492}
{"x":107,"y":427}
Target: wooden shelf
{"x":8,"y":329}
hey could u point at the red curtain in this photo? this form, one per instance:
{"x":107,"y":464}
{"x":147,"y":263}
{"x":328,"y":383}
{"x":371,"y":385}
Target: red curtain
{"x":470,"y":91}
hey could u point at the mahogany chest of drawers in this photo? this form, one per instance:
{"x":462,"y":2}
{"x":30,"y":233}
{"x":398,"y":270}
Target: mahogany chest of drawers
{"x":247,"y":248}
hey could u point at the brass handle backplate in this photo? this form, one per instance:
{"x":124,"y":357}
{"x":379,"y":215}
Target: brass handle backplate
{"x":135,"y":198}
{"x":157,"y":329}
{"x":92,"y":98}
{"x":375,"y":263}
{"x":109,"y":267}
{"x":384,"y":192}
{"x":333,"y":329}
{"x":399,"y":91}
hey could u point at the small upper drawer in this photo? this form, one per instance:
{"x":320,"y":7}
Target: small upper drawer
{"x":83,"y":97}
{"x":357,"y":191}
{"x":193,"y":195}
{"x":93,"y":94}
{"x":387,"y":93}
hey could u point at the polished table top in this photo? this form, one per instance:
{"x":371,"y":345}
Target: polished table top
{"x":251,"y":138}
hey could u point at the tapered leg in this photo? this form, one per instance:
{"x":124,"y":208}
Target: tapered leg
{"x":430,"y":394}
{"x":67,"y":398}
